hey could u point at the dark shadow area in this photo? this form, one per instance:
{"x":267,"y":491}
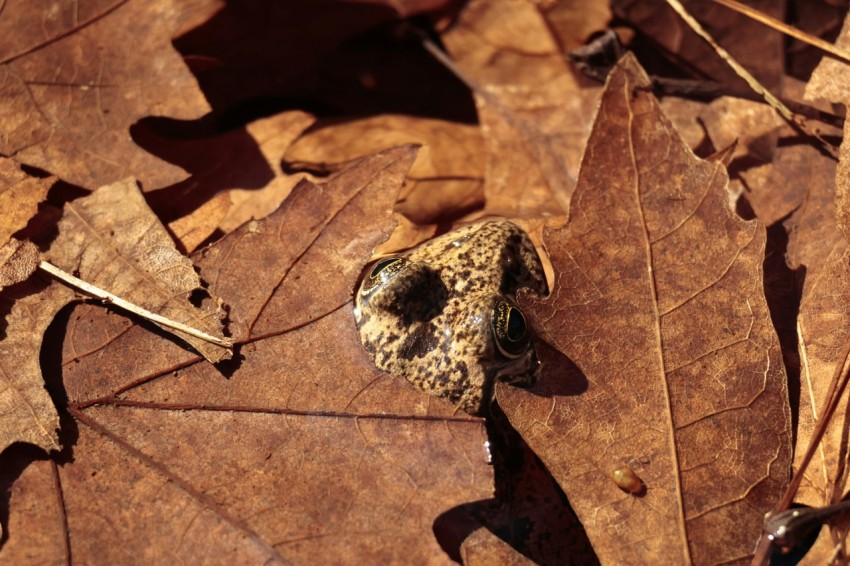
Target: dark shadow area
{"x":805,"y":139}
{"x":334,"y":58}
{"x":42,"y":228}
{"x":530,"y":512}
{"x":783,"y":289}
{"x":50,"y":359}
{"x":216,"y":160}
{"x":801,"y":58}
{"x":337,"y":60}
{"x":559,"y":376}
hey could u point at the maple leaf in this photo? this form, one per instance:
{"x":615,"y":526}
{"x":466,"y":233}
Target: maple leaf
{"x":305,"y":452}
{"x":698,"y":410}
{"x":113,"y":241}
{"x":71,"y":84}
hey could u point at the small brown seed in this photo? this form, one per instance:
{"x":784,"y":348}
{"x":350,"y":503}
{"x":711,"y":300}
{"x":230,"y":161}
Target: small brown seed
{"x":627,"y":480}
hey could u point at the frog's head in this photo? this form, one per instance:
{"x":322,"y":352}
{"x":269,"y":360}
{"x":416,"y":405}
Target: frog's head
{"x":444,"y":314}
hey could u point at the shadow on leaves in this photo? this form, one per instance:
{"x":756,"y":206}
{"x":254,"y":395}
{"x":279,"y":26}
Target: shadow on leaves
{"x":530,"y":512}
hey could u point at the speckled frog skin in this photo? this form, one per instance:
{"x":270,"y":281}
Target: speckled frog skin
{"x":444,"y":314}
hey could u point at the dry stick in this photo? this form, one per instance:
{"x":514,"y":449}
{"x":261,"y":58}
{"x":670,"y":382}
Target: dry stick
{"x":705,"y":89}
{"x":774,"y":102}
{"x":109,"y":298}
{"x":786,"y":29}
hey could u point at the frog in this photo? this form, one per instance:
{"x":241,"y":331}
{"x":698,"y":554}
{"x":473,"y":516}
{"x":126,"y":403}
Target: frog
{"x":444,"y":314}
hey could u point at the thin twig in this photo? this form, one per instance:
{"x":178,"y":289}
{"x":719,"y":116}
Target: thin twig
{"x":754,"y":84}
{"x":109,"y":298}
{"x":785,"y":28}
{"x":664,"y":86}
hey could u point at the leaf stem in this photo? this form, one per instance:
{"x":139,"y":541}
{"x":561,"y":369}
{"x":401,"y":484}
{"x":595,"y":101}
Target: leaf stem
{"x":111,"y":299}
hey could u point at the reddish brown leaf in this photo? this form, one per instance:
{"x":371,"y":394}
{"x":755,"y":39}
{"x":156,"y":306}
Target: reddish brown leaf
{"x":830,"y":82}
{"x":112,"y":240}
{"x":19,"y":197}
{"x":534,"y":115}
{"x":817,"y":247}
{"x":758,"y":48}
{"x":575,"y":21}
{"x":483,"y":547}
{"x":74,"y":78}
{"x":241,"y":172}
{"x":445,"y":181}
{"x":305,"y":452}
{"x":658,"y":301}
{"x":27,"y":413}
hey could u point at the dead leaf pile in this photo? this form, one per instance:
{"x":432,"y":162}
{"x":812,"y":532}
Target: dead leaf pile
{"x":229,"y":168}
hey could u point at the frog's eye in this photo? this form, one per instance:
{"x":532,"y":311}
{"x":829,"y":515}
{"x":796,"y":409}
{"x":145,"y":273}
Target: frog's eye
{"x":510,"y":331}
{"x":383,"y":270}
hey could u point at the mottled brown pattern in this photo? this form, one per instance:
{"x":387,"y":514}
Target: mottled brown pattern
{"x":429,"y":317}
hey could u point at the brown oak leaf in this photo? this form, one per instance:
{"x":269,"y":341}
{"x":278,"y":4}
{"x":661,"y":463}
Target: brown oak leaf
{"x":535,"y":117}
{"x":303,"y":453}
{"x":74,"y":78}
{"x":678,"y":374}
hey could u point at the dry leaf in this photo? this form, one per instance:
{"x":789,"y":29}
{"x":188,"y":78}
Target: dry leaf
{"x":534,"y":116}
{"x":19,"y":197}
{"x":18,"y":260}
{"x":758,"y":48}
{"x":27,"y":413}
{"x":818,"y":248}
{"x":304,"y":453}
{"x":698,"y":410}
{"x":483,"y":548}
{"x":575,"y":21}
{"x":244,"y":164}
{"x":446,"y":180}
{"x":531,"y":512}
{"x":74,"y":78}
{"x":830,"y":82}
{"x":192,"y":230}
{"x":112,"y":240}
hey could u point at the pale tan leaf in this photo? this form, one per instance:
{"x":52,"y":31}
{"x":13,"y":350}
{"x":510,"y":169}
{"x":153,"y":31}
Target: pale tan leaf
{"x":112,"y":240}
